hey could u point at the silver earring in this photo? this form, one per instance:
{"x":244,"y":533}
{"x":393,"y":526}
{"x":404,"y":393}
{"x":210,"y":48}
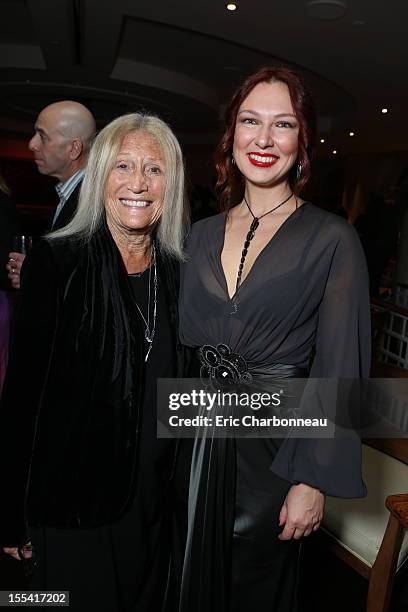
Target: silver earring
{"x":232,"y":160}
{"x":299,"y":170}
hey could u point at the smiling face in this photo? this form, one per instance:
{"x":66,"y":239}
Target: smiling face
{"x":266,"y":135}
{"x":134,"y":195}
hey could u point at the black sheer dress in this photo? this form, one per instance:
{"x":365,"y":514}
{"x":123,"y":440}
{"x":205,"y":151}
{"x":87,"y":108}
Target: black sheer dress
{"x":129,"y":559}
{"x":302,"y":307}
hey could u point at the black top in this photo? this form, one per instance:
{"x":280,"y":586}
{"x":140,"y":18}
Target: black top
{"x":307,"y":287}
{"x":153,"y":453}
{"x":159,"y":361}
{"x":304,"y":303}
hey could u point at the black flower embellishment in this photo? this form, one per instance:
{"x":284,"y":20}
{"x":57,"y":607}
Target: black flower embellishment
{"x":220,"y":363}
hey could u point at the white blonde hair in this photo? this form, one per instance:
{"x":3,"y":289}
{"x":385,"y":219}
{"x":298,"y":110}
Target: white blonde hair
{"x":173,"y":224}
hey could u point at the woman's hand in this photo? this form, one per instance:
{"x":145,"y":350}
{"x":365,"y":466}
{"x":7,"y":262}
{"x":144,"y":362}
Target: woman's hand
{"x":302,"y":512}
{"x":14,"y":268}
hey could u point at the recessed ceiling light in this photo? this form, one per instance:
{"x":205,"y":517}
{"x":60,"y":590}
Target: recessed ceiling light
{"x":322,"y":140}
{"x":231,"y":6}
{"x":334,"y":152}
{"x":384,"y":111}
{"x":328,"y":10}
{"x":351,"y":133}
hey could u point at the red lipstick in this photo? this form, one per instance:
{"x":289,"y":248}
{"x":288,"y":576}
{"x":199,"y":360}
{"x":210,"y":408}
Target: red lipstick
{"x":262,"y":160}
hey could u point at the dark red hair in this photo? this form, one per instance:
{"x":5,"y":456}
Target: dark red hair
{"x":230,"y":182}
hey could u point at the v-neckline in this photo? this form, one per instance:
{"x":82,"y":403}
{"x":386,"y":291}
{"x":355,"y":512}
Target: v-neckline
{"x":278,"y":231}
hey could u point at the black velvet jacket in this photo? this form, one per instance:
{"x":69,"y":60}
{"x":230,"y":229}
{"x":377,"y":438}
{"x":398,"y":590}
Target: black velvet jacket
{"x":70,"y":409}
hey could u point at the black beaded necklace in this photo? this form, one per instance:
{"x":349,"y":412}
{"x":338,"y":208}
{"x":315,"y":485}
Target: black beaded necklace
{"x":253,"y":227}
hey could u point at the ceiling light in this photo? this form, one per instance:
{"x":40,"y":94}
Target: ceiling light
{"x":334,"y":152}
{"x":322,"y":140}
{"x":327,"y":10}
{"x":231,"y":6}
{"x":384,"y":111}
{"x":351,"y":133}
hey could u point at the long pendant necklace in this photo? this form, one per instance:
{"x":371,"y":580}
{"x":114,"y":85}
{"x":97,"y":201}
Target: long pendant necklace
{"x":149,"y":333}
{"x":251,"y":233}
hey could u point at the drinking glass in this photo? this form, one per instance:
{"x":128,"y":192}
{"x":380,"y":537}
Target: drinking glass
{"x":22,"y":244}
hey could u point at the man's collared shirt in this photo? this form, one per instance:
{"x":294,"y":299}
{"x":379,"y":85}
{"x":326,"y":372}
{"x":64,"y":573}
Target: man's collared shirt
{"x":64,"y":190}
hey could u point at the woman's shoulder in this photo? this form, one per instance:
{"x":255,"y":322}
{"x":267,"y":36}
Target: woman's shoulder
{"x":209,"y":222}
{"x":334,"y":227}
{"x":57,"y":253}
{"x":207,"y":226}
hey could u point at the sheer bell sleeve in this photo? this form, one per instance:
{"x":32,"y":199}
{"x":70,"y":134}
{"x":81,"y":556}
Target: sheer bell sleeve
{"x":342,"y":351}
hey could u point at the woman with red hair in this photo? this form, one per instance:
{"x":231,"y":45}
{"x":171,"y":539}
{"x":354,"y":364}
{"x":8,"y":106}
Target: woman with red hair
{"x":274,"y":288}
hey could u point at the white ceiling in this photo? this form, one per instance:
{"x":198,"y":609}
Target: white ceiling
{"x":183,"y":59}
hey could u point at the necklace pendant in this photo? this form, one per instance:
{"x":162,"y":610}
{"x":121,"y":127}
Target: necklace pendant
{"x":148,"y":335}
{"x":254,"y":224}
{"x":148,"y":352}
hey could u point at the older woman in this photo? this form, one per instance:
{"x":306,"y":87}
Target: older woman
{"x":86,"y":478}
{"x":279,"y":285}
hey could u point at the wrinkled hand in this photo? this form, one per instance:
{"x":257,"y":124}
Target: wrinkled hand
{"x":13,"y":551}
{"x":302,"y":512}
{"x":14,"y":267}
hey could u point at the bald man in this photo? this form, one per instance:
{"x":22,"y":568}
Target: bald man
{"x":61,"y":143}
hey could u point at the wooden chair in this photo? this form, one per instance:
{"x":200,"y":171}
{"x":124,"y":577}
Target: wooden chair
{"x":357,"y":531}
{"x":370,"y":534}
